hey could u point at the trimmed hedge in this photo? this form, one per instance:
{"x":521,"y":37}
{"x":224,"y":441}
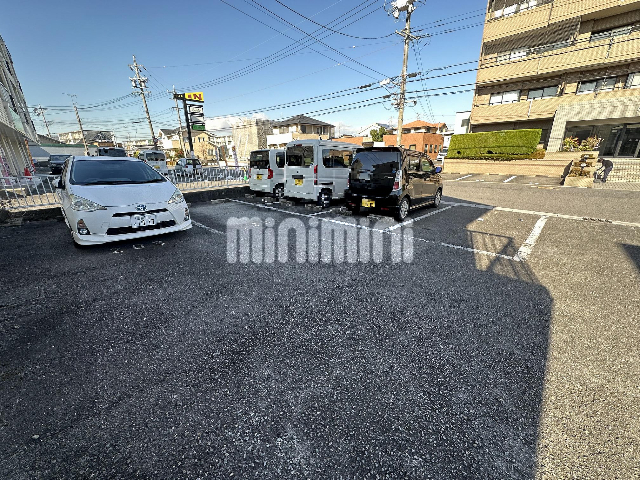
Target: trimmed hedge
{"x":538,"y":154}
{"x":495,"y":145}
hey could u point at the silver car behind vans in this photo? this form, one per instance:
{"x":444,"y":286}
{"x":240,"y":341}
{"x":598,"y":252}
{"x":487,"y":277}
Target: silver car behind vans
{"x":266,"y":171}
{"x":318,"y":170}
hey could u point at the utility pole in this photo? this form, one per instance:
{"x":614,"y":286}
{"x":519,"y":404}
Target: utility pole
{"x":40,"y":112}
{"x":140,"y":83}
{"x":179,"y":120}
{"x":408,"y":7}
{"x":75,"y":107}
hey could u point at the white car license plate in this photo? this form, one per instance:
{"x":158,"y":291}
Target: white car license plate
{"x":138,"y":221}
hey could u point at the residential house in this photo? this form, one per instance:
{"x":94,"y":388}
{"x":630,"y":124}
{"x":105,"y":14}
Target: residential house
{"x":376,"y":126}
{"x":299,"y":127}
{"x":133,"y":146}
{"x":567,"y":67}
{"x":16,"y":126}
{"x":200,"y":140}
{"x":101,"y":138}
{"x":421,"y":136}
{"x":420,"y":126}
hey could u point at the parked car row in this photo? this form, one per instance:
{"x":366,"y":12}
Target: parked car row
{"x":385,"y":179}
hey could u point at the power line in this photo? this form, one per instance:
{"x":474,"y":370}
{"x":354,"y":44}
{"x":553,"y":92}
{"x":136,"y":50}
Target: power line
{"x":330,"y":29}
{"x":315,"y":38}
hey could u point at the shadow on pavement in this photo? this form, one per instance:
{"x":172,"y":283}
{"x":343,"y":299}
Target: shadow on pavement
{"x":188,"y":367}
{"x":633,"y":251}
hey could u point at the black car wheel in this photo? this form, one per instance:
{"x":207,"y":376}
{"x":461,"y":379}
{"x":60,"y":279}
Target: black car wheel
{"x":437,"y":199}
{"x":403,"y":209}
{"x":324,"y":199}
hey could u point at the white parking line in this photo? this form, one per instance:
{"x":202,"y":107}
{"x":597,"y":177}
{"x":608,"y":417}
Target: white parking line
{"x":386,"y":230}
{"x":541,"y":214}
{"x":321,"y":213}
{"x":530,"y":242}
{"x":409,"y":222}
{"x":509,"y":179}
{"x":212,"y":230}
{"x":466,"y":176}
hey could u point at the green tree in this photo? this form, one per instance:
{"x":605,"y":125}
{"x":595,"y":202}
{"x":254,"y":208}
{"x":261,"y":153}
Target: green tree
{"x":378,"y":135}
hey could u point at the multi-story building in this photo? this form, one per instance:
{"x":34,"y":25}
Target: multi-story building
{"x":299,"y":127}
{"x":16,"y":126}
{"x":568,"y":67}
{"x":250,"y":134}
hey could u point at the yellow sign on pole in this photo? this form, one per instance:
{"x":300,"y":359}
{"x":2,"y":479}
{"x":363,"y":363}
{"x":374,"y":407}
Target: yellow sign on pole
{"x":194,"y":96}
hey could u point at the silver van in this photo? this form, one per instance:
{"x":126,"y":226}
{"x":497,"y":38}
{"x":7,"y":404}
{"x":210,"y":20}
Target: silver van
{"x":318,"y":170}
{"x":155,"y":159}
{"x":266,"y":171}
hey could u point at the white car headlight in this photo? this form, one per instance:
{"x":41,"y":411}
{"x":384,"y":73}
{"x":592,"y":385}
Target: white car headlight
{"x":80,"y":204}
{"x":176,"y":197}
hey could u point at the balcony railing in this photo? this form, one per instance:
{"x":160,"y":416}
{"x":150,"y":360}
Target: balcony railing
{"x":576,"y":55}
{"x":507,"y":8}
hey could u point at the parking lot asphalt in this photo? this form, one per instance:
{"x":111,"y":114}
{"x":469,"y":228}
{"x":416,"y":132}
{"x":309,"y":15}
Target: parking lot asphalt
{"x":505,"y":347}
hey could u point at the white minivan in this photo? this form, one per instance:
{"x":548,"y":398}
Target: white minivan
{"x":266,"y":171}
{"x":155,"y":159}
{"x":317,"y":170}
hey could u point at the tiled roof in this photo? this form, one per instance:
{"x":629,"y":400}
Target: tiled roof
{"x":301,"y":119}
{"x":420,"y":123}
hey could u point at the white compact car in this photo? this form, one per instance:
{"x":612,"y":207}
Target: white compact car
{"x":191,"y":165}
{"x":106,"y":199}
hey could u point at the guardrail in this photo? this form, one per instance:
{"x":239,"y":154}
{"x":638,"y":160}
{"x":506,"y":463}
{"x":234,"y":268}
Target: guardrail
{"x":24,"y":193}
{"x":189,"y":180}
{"x":21,"y":193}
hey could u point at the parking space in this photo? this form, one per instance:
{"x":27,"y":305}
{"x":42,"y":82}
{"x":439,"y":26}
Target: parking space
{"x":472,"y":227}
{"x":506,"y":347}
{"x":531,"y":180}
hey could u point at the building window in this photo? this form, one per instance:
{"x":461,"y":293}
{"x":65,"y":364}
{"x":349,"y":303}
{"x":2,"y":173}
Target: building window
{"x":303,"y":129}
{"x":513,"y":9}
{"x":547,"y":92}
{"x":502,"y":98}
{"x":633,"y":81}
{"x":593,"y":86}
{"x":612,"y":33}
{"x":511,"y":55}
{"x":412,"y":147}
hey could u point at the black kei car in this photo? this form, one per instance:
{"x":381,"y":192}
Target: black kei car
{"x":56,"y":163}
{"x":393,"y":180}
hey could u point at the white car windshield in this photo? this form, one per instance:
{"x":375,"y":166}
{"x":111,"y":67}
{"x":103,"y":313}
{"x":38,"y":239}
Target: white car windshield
{"x":112,"y":172}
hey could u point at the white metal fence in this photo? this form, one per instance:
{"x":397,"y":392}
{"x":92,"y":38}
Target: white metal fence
{"x":23,"y":193}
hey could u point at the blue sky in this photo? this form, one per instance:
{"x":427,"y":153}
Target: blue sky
{"x":71,"y":46}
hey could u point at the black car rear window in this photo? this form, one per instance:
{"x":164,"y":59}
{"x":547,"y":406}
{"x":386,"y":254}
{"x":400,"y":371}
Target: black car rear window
{"x":377,"y":161}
